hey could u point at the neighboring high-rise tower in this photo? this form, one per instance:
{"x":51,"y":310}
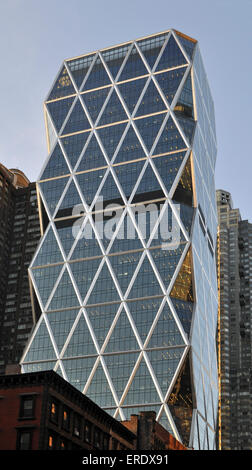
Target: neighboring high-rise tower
{"x":125,"y":275}
{"x":19,"y":237}
{"x":234,"y":249}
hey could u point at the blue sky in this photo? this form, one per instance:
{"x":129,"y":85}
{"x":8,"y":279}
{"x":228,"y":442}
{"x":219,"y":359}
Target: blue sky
{"x":36,"y":36}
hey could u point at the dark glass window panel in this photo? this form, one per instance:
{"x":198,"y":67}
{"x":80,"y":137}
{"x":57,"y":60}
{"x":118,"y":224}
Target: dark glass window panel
{"x":56,"y":165}
{"x":63,"y":86}
{"x":131,"y":91}
{"x":120,"y":367}
{"x":187,"y":45}
{"x":101,"y":318}
{"x":124,"y":266}
{"x":151,"y":101}
{"x":58,"y":111}
{"x":166,"y":332}
{"x":142,"y":388}
{"x":70,"y":200}
{"x":79,"y":68}
{"x":49,"y":251}
{"x":170,"y":139}
{"x":104,"y":289}
{"x":164,"y":363}
{"x":66,"y":233}
{"x":134,"y":66}
{"x":143,"y":313}
{"x":127,"y":237}
{"x":52,"y":191}
{"x":47,"y":365}
{"x":94,"y":101}
{"x":151,"y":48}
{"x":184,"y":105}
{"x":65,"y":295}
{"x":146,"y":283}
{"x":24,"y":440}
{"x":149,"y":127}
{"x":78,"y":370}
{"x":89,"y":183}
{"x":45,"y":279}
{"x":41,"y":347}
{"x":87,"y":244}
{"x":81,"y":343}
{"x":84,"y":272}
{"x":168,"y":167}
{"x":184,"y":311}
{"x":182,"y":288}
{"x":73,"y":145}
{"x":99,"y":391}
{"x":128,"y":175}
{"x":92,"y":156}
{"x":114,"y":58}
{"x":187,"y":126}
{"x":130,"y":149}
{"x":109,"y":192}
{"x":122,"y":337}
{"x":113,"y":112}
{"x":170,"y":81}
{"x":98,"y":76}
{"x":27,"y":405}
{"x":171,"y":56}
{"x":166,"y":261}
{"x":77,"y":120}
{"x":110,"y":137}
{"x":61,"y":323}
{"x":66,"y":419}
{"x":149,"y":187}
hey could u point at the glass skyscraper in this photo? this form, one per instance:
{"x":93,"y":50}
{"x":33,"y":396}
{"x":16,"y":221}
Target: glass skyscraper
{"x":124,"y":278}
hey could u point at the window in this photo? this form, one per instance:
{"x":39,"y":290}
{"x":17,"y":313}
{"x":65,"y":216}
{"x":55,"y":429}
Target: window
{"x":87,"y":431}
{"x":27,"y":407}
{"x":52,"y":441}
{"x":66,"y":419}
{"x":24,"y":439}
{"x":54,"y":411}
{"x":77,"y":426}
{"x":97,"y":438}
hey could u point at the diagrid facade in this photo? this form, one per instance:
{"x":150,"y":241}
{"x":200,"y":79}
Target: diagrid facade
{"x":124,"y":278}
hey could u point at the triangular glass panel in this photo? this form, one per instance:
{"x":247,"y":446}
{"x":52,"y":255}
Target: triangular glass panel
{"x":166,"y":260}
{"x":187,"y":126}
{"x":63,"y":86}
{"x":89,"y":183}
{"x":124,"y":266}
{"x":92,"y":156}
{"x":58,"y":111}
{"x":170,"y":139}
{"x":172,"y":56}
{"x":143,"y":313}
{"x":84,"y":272}
{"x":56,"y":165}
{"x":114,"y":58}
{"x":168,"y":167}
{"x":70,"y":200}
{"x":170,"y":81}
{"x":110,"y":192}
{"x":81,"y":343}
{"x":49,"y":252}
{"x":41,"y":346}
{"x":94,"y":101}
{"x":78,"y":371}
{"x":183,"y":288}
{"x":151,"y":48}
{"x":149,"y":128}
{"x":187,"y":44}
{"x":126,"y":238}
{"x":113,"y":112}
{"x":45,"y":279}
{"x":130,"y":149}
{"x":122,"y":337}
{"x":166,"y":332}
{"x":52,"y":137}
{"x":120,"y":367}
{"x":134,"y":66}
{"x":184,"y":190}
{"x":99,"y":390}
{"x":64,"y":295}
{"x":142,"y":388}
{"x":164,"y":363}
{"x":167,"y":232}
{"x":184,"y":105}
{"x":77,"y":120}
{"x":87,"y":245}
{"x":131,"y":91}
{"x":73,"y":145}
{"x":52,"y":191}
{"x":101,"y":318}
{"x":165,"y":422}
{"x":151,"y":102}
{"x":149,"y":188}
{"x":65,"y":229}
{"x":79,"y":68}
{"x":61,"y":323}
{"x":104,"y":289}
{"x":146,"y":283}
{"x":98,"y":76}
{"x":128,"y":176}
{"x":110,"y":137}
{"x":181,"y":403}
